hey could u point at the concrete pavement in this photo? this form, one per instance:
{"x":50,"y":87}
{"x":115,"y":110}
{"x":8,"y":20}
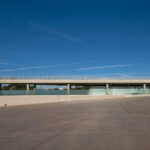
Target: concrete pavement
{"x":109,"y":124}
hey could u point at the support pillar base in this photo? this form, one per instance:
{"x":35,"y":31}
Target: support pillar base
{"x":107,"y":89}
{"x":28,"y":87}
{"x":144,"y":87}
{"x":68,"y":87}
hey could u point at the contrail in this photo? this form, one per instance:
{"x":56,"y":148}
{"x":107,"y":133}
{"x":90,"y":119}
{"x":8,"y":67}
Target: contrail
{"x":41,"y":67}
{"x":2,"y":59}
{"x":105,"y":67}
{"x":50,"y":30}
{"x":7,"y":63}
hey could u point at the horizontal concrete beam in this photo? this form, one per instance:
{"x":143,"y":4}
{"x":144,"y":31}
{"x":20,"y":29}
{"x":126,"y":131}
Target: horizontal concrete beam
{"x":65,"y":82}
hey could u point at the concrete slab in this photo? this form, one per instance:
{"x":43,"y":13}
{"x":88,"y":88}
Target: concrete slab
{"x":112,"y":124}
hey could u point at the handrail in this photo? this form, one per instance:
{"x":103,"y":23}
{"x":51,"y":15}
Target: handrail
{"x":71,"y":78}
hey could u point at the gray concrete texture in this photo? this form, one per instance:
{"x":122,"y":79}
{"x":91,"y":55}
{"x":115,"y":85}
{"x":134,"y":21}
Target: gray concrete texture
{"x":13,"y":100}
{"x":106,"y":124}
{"x":65,"y":82}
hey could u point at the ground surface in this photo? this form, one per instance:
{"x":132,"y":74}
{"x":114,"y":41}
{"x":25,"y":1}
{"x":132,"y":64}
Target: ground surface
{"x":114,"y":124}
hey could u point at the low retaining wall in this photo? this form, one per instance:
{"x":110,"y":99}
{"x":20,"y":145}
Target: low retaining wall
{"x":37,"y":99}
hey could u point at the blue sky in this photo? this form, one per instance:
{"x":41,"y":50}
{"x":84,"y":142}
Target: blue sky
{"x":74,"y":38}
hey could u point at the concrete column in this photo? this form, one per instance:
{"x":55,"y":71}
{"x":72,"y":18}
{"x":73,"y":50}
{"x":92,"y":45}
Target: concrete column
{"x":144,"y":87}
{"x":28,"y":86}
{"x":107,"y":89}
{"x":34,"y":87}
{"x":68,"y":87}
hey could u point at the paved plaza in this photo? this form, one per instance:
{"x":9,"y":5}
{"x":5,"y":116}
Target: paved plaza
{"x":106,"y":124}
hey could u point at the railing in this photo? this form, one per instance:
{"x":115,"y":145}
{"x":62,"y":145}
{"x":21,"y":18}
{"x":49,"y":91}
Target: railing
{"x":72,"y":78}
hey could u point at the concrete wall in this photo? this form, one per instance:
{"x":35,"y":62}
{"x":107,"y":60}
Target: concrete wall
{"x":37,"y":99}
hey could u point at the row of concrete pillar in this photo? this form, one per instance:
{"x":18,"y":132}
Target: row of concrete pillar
{"x":69,"y":87}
